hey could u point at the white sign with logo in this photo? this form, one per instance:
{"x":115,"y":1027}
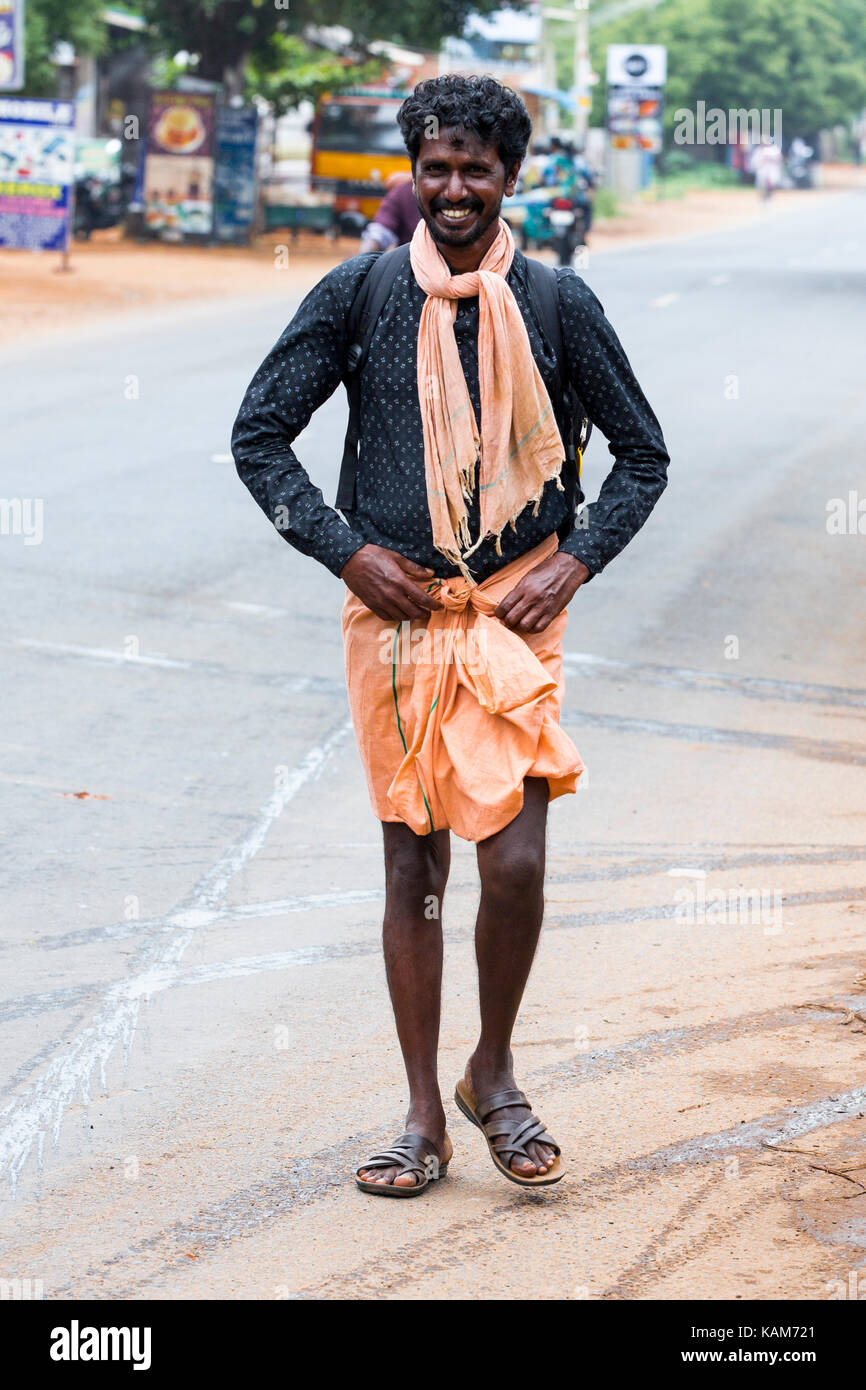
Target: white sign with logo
{"x":635,"y":83}
{"x":637,"y":65}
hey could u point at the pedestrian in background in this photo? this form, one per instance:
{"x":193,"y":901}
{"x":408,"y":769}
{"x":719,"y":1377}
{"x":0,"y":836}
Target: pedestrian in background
{"x":395,"y":219}
{"x":767,"y":167}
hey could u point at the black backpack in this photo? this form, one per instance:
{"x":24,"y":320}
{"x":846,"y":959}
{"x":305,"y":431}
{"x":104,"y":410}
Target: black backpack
{"x":574,"y":425}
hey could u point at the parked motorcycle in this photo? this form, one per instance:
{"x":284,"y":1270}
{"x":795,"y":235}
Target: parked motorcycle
{"x":549,"y":217}
{"x":98,"y":204}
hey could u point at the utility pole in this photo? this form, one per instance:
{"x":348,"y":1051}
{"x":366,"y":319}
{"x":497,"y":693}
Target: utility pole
{"x":582,"y":71}
{"x":578,"y":15}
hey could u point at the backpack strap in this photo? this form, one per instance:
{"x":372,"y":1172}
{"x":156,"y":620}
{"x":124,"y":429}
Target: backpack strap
{"x":544,"y":294}
{"x":575,"y":426}
{"x":360,"y":326}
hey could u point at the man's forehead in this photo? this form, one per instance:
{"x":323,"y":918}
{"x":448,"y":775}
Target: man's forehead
{"x":456,"y":140}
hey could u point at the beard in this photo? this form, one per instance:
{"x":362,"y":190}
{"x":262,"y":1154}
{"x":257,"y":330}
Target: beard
{"x":456,"y":238}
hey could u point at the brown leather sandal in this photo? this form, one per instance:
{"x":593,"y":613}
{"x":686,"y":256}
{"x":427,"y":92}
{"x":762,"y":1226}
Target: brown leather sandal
{"x":412,"y":1153}
{"x":506,"y":1138}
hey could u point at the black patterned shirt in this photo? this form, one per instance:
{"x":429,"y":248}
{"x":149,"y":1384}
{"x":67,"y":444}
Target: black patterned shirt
{"x":308,"y":363}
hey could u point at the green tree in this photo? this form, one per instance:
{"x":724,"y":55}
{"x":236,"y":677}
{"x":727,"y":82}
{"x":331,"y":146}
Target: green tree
{"x":805,"y":57}
{"x":49,"y":22}
{"x":228,"y":36}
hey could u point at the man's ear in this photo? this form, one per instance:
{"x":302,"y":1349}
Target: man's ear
{"x":511,"y":178}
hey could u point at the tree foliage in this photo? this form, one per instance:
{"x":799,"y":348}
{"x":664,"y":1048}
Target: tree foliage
{"x":286,"y":71}
{"x":48,"y":22}
{"x":806,"y":57}
{"x":227,"y":34}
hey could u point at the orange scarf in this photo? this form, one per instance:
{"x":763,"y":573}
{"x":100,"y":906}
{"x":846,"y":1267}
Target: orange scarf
{"x":519,"y":444}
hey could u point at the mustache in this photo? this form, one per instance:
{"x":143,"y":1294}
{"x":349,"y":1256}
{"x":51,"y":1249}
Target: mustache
{"x":471,"y":205}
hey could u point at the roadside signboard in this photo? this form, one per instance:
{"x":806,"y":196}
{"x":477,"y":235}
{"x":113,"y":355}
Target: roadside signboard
{"x":37,"y":161}
{"x":636,"y":75}
{"x":179,"y":165}
{"x":235,"y":172}
{"x":11,"y":45}
{"x":97,"y":159}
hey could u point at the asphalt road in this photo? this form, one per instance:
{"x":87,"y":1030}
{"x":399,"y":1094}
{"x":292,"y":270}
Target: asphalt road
{"x":197,"y":1046}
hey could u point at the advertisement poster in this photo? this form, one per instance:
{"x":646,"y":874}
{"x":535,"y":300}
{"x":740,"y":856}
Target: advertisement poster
{"x":97,"y":159}
{"x":636,"y":75}
{"x":37,"y":158}
{"x":235,"y":173}
{"x":179,"y":167}
{"x":11,"y":45}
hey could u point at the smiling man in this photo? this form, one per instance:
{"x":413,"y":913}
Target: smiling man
{"x":460,"y":552}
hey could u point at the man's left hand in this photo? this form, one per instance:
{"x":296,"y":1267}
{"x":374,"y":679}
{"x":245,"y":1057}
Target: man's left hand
{"x":542,"y":594}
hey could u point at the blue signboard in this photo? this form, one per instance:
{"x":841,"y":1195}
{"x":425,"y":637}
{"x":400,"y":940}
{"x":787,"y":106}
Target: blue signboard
{"x":235,"y":173}
{"x":37,"y":163}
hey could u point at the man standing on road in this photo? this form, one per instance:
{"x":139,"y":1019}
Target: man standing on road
{"x":460,"y":554}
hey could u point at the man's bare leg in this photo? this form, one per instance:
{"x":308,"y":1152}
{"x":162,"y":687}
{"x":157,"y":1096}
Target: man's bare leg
{"x":416,"y":872}
{"x":511,"y":865}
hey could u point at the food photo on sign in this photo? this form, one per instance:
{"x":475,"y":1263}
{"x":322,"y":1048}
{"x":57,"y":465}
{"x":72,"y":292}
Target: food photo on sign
{"x":178,"y":179}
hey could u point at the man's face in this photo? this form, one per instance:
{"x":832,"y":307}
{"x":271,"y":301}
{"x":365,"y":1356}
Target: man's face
{"x":460,"y":184}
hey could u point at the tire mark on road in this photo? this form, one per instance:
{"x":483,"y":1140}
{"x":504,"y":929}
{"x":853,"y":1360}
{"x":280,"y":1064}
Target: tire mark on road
{"x":296,"y":957}
{"x":119,"y":931}
{"x":818,"y":749}
{"x":317,"y":1177}
{"x":689,"y":677}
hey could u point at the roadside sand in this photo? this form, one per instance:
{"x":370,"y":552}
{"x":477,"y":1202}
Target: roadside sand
{"x":111,"y":275}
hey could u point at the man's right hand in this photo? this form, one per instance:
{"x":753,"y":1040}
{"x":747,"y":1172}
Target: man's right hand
{"x":381,"y":579}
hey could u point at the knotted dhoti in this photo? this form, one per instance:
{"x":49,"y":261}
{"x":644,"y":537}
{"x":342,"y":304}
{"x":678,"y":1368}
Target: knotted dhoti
{"x":453,"y":711}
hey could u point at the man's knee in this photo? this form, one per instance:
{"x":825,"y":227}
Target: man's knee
{"x":513,"y":874}
{"x":416,"y":867}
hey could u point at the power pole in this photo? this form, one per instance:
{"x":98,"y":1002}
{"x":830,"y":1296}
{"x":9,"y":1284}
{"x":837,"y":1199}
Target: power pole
{"x":582,"y":79}
{"x":582,"y":71}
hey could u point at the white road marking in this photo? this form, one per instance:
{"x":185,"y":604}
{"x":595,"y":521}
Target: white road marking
{"x":720,"y":280}
{"x":104,"y":654}
{"x":663,"y":301}
{"x":686,"y":873}
{"x":222,"y":458}
{"x":309,"y":903}
{"x":257,"y":609}
{"x":43,"y":1105}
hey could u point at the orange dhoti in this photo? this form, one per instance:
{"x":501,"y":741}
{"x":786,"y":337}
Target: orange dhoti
{"x":451,"y":713}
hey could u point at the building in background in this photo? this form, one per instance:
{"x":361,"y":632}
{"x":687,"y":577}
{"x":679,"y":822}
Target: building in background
{"x":507,"y":45}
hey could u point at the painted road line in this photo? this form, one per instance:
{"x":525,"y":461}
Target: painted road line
{"x":257,"y":610}
{"x":42,"y":1107}
{"x":117,"y":658}
{"x":664,"y":301}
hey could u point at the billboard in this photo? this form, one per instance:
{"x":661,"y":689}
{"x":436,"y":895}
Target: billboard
{"x":636,"y":75}
{"x":235,"y":173}
{"x":179,"y":164}
{"x":37,"y":162}
{"x":11,"y":45}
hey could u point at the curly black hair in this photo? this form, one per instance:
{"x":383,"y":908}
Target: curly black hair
{"x":479,"y":105}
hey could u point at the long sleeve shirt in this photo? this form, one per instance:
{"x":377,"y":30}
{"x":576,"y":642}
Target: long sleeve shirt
{"x":308,"y":363}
